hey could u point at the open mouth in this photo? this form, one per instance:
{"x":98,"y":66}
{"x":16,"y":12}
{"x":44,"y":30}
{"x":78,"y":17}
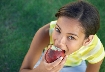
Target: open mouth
{"x":56,"y":48}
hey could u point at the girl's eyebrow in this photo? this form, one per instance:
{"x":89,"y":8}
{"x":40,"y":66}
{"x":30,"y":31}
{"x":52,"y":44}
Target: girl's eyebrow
{"x":58,"y":26}
{"x":73,"y":34}
{"x":68,"y":33}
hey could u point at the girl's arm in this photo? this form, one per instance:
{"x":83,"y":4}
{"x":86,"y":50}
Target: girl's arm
{"x":39,"y":42}
{"x":94,"y":67}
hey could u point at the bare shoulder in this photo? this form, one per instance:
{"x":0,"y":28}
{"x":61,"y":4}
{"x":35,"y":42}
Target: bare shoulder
{"x":39,"y":42}
{"x":43,"y":34}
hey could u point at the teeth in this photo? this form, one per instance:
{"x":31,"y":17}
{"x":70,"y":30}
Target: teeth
{"x":59,"y":49}
{"x":56,"y":48}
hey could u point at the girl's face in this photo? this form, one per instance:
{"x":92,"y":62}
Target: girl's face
{"x":68,"y":35}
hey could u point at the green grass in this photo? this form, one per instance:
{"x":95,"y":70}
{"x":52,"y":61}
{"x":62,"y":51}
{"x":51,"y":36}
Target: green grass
{"x":20,"y":19}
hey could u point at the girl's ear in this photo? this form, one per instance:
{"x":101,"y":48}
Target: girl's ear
{"x":88,"y":40}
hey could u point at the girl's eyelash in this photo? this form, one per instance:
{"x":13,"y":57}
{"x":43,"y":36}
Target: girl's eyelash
{"x":57,"y":29}
{"x":71,"y":38}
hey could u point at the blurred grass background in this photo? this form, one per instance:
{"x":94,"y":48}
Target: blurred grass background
{"x":20,"y":19}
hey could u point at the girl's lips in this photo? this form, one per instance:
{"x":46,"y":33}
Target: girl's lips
{"x":56,"y":48}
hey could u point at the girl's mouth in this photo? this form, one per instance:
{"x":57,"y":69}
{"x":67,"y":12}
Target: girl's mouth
{"x":56,"y":48}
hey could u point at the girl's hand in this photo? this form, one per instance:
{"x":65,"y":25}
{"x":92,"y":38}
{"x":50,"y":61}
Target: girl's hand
{"x":55,"y":66}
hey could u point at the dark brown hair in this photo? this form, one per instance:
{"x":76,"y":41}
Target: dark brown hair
{"x":86,"y":14}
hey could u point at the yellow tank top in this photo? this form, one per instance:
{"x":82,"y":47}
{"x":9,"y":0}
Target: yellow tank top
{"x":93,"y":53}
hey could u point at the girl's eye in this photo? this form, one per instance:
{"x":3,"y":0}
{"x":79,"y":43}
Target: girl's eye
{"x":57,"y":30}
{"x":71,"y":38}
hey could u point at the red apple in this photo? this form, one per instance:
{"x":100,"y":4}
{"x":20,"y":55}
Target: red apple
{"x":53,"y":53}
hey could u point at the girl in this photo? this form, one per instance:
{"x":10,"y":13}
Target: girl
{"x":75,"y":32}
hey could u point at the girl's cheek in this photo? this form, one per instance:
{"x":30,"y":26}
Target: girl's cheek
{"x":53,"y":36}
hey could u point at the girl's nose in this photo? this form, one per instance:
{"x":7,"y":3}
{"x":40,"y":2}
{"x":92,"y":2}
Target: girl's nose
{"x":61,"y":41}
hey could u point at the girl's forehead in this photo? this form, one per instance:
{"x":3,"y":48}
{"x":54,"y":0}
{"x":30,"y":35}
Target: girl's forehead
{"x":68,"y":20}
{"x":69,"y":24}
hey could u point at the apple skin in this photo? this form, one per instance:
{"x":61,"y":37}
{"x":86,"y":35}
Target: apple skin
{"x":52,"y":55}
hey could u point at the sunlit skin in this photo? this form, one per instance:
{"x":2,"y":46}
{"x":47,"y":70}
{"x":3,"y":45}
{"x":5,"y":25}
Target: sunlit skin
{"x":68,"y":35}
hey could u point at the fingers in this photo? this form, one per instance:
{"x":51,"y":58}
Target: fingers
{"x":59,"y":61}
{"x":60,"y":65}
{"x":64,"y":60}
{"x":50,"y":66}
{"x":55,"y":63}
{"x":55,"y":66}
